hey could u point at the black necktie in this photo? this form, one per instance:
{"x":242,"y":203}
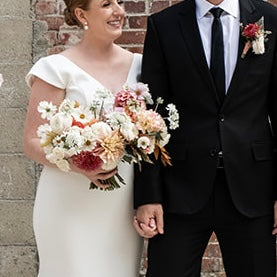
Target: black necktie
{"x":217,"y":66}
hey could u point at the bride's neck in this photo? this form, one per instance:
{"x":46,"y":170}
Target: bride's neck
{"x":97,"y":48}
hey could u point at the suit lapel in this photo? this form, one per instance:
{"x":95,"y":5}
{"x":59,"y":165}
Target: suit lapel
{"x":248,"y":14}
{"x":192,"y":39}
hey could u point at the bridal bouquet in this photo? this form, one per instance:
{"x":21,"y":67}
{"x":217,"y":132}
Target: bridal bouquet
{"x":111,"y":129}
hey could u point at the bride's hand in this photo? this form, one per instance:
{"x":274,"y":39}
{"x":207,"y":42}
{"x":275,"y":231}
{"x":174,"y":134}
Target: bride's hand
{"x":146,"y":230}
{"x":95,"y":176}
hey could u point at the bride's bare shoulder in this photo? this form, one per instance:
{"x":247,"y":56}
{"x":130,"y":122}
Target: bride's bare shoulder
{"x":125,"y":54}
{"x":71,"y":52}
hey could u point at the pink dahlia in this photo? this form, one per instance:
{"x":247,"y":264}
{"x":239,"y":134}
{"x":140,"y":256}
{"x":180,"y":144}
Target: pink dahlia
{"x":149,"y":121}
{"x":121,"y":98}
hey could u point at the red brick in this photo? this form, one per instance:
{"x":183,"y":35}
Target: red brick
{"x":55,"y":50}
{"x":134,"y":7}
{"x":213,"y":238}
{"x":63,"y":38}
{"x":137,"y":22}
{"x":68,"y":37}
{"x":46,"y":7}
{"x":212,"y":250}
{"x":158,"y":6}
{"x":54,"y":23}
{"x":131,"y":37}
{"x":212,"y":265}
{"x":52,"y":37}
{"x":135,"y":49}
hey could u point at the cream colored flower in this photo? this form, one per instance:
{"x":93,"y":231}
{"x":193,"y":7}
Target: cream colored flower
{"x":56,"y":154}
{"x":73,"y":138}
{"x":60,"y":122}
{"x":83,"y":115}
{"x":149,"y":121}
{"x":90,"y":140}
{"x":258,"y":45}
{"x":129,"y":131}
{"x":67,"y":106}
{"x":63,"y":165}
{"x":143,"y":142}
{"x":47,"y":109}
{"x":164,"y":139}
{"x":111,"y":148}
{"x":101,"y":129}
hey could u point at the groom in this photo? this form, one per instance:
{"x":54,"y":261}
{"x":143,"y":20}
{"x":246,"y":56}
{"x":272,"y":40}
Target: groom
{"x":223,"y":177}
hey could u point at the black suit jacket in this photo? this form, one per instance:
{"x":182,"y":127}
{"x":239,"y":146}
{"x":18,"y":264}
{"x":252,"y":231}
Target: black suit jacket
{"x":174,"y":66}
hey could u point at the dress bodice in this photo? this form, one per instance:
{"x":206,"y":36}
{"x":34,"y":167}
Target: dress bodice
{"x":61,"y":72}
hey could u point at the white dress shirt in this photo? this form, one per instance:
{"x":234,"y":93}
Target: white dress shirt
{"x":230,"y":20}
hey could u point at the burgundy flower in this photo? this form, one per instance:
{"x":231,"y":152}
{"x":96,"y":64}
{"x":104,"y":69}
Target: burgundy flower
{"x":251,"y":30}
{"x":87,"y":161}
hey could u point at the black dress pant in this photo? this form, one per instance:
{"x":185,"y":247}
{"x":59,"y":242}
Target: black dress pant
{"x":247,"y":245}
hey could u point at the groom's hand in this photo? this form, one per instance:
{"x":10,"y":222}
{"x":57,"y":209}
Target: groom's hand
{"x":274,"y":232}
{"x":149,"y":220}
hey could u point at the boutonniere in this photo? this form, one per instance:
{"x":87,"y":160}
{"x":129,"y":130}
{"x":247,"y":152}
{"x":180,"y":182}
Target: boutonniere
{"x":255,"y":36}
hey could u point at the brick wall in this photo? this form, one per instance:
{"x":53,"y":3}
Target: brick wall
{"x":28,"y":31}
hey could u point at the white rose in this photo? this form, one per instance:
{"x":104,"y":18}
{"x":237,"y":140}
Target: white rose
{"x":117,"y":119}
{"x":59,"y":153}
{"x":56,"y":154}
{"x":60,"y":122}
{"x":63,"y":165}
{"x":101,"y":129}
{"x":258,"y":46}
{"x":165,"y":139}
{"x":129,"y":131}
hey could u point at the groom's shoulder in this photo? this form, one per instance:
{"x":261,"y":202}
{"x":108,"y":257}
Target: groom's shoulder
{"x":170,"y":11}
{"x":267,"y":9}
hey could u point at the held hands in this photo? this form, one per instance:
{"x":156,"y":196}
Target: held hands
{"x":148,"y":221}
{"x":95,"y":175}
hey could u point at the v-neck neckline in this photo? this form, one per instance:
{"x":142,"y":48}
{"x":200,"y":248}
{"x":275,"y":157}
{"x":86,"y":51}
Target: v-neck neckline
{"x":93,"y":78}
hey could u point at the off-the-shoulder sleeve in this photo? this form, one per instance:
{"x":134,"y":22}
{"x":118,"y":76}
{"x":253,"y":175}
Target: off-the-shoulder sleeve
{"x":49,"y":70}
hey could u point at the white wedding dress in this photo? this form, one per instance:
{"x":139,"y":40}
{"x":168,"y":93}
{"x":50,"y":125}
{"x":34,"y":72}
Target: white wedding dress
{"x":81,"y":232}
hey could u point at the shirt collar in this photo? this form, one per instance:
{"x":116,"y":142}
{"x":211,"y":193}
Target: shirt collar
{"x":229,"y":6}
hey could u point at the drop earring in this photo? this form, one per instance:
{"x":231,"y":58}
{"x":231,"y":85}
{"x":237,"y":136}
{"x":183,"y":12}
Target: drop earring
{"x":86,"y":26}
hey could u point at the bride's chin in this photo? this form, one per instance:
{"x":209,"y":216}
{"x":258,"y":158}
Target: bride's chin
{"x":117,"y":31}
{"x":117,"y":35}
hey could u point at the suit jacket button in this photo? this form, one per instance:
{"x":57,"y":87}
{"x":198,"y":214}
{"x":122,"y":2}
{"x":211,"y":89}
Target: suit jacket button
{"x":213,"y":152}
{"x":221,"y":118}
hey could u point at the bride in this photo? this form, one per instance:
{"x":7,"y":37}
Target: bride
{"x":83,"y":233}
